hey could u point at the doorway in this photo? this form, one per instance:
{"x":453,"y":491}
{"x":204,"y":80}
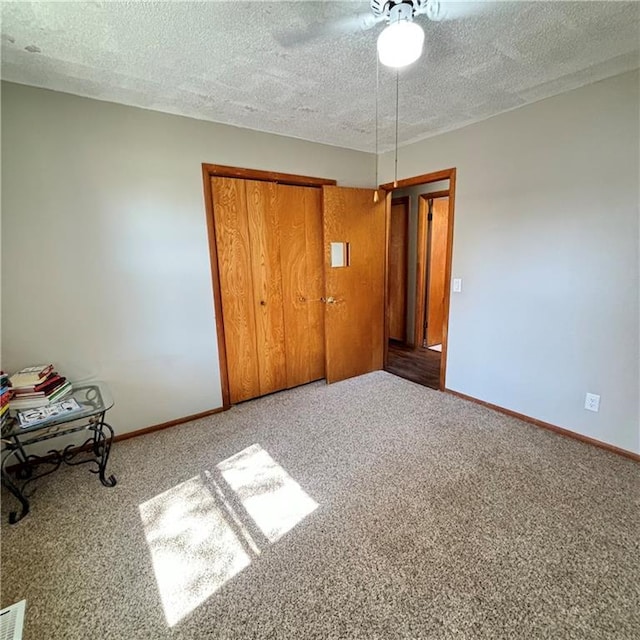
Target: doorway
{"x":420,"y":234}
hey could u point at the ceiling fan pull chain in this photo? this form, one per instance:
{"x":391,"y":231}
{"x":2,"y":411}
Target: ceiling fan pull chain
{"x":375,"y":194}
{"x":395,"y":179}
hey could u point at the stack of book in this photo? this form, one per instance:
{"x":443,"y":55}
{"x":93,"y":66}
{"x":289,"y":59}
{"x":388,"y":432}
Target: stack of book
{"x":37,"y":386}
{"x":5,"y":395}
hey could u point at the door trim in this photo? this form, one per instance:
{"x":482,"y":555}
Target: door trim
{"x":421,"y":270}
{"x":220,"y":171}
{"x":437,"y":194}
{"x":389,"y":187}
{"x":447,"y":279}
{"x":217,"y":291}
{"x":425,"y":178}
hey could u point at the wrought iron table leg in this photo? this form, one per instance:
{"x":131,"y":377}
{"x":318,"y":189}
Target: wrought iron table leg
{"x":111,"y":480}
{"x":96,"y":434}
{"x":102,"y":448}
{"x":14,"y":516}
{"x":24,"y":470}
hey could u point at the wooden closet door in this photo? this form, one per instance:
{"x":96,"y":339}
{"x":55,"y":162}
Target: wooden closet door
{"x":236,"y":286}
{"x":300,"y":215}
{"x":315,"y":281}
{"x":264,"y":237}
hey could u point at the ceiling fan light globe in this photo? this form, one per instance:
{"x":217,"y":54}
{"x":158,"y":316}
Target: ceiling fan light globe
{"x":400,"y":44}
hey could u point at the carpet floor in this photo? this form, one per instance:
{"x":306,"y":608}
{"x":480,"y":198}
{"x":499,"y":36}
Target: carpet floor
{"x":373,"y":508}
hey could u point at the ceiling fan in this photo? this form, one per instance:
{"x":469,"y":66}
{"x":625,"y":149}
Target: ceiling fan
{"x":400,"y":42}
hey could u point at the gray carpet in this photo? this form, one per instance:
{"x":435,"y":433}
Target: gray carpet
{"x":435,"y":518}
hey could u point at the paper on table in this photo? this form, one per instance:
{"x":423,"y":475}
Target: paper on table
{"x":31,"y":417}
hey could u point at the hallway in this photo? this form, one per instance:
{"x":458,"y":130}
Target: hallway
{"x":420,"y":365}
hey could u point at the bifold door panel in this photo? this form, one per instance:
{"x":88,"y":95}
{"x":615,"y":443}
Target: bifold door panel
{"x":270,"y":264}
{"x":236,"y":284}
{"x":264,"y":239}
{"x":300,"y":215}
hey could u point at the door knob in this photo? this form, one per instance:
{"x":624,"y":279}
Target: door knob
{"x":330,"y":300}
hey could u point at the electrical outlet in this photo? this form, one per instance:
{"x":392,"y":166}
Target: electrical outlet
{"x":592,"y":402}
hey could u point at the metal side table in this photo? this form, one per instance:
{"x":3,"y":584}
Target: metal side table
{"x":95,"y":400}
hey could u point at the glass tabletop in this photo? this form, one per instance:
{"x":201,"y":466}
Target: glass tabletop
{"x":93,"y":397}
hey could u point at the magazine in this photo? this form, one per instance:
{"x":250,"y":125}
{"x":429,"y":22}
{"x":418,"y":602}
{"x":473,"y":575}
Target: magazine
{"x":31,"y":417}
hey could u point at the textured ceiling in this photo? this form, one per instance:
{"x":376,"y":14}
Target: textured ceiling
{"x":234,"y":62}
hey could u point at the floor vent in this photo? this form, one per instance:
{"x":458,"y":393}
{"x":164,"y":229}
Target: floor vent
{"x":11,"y":621}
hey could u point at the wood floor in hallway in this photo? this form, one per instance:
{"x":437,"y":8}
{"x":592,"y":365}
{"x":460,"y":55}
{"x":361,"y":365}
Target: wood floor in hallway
{"x":419,"y":365}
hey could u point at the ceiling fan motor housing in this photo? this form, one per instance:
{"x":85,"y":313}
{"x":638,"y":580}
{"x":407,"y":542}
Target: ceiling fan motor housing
{"x":383,"y":8}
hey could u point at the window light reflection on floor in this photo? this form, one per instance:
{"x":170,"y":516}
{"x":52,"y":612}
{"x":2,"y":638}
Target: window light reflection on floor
{"x":193,"y":548}
{"x":274,"y":500}
{"x":198,"y":540}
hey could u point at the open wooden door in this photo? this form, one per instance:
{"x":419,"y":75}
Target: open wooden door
{"x":354,"y":239}
{"x":437,"y":269}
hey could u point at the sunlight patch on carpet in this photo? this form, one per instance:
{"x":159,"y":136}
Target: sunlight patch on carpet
{"x":193,"y":548}
{"x":198,"y":540}
{"x":274,"y":500}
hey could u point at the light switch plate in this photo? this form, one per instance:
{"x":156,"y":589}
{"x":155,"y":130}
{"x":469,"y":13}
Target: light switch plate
{"x":457,"y":285}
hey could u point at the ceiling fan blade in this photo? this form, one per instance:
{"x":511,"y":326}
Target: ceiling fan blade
{"x":329,"y":29}
{"x":444,"y":10}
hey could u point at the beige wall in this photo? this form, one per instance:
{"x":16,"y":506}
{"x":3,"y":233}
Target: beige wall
{"x":546,"y":242}
{"x":106,"y":268}
{"x":105,"y":256}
